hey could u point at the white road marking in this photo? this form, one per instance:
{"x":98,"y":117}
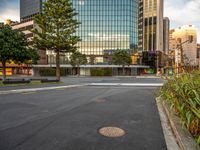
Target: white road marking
{"x":80,"y":85}
{"x":39,"y":89}
{"x":128,"y":84}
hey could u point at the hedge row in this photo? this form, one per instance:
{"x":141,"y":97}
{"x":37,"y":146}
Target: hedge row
{"x":101,"y":72}
{"x":51,"y":72}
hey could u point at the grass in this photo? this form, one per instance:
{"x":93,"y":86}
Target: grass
{"x":183,"y":94}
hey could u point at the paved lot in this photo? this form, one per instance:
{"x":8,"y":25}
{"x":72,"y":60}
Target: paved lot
{"x":69,"y":119}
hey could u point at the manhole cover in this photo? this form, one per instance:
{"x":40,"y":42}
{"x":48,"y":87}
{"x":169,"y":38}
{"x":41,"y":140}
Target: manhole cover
{"x":100,"y":100}
{"x":111,"y":132}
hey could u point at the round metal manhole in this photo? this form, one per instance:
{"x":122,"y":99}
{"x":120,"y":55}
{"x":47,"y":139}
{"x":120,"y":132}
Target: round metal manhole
{"x":100,"y":100}
{"x":112,"y":132}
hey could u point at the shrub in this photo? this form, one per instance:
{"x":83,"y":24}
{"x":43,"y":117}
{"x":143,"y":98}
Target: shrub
{"x":183,"y":94}
{"x":51,"y":72}
{"x":101,"y":72}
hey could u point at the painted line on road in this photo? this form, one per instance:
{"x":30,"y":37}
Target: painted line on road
{"x":128,"y":84}
{"x":32,"y":90}
{"x":39,"y":89}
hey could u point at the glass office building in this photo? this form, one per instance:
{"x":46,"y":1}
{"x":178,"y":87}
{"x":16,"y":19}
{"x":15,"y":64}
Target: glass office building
{"x":28,"y":8}
{"x":107,"y":25}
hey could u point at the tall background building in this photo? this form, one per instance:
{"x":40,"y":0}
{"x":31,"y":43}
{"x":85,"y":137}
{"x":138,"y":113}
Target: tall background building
{"x":141,"y":26}
{"x":151,"y":33}
{"x":107,"y":25}
{"x":28,"y":8}
{"x":151,"y":22}
{"x":172,"y":41}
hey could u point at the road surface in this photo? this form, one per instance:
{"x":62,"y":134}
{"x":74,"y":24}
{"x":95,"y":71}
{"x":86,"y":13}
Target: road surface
{"x":69,"y":119}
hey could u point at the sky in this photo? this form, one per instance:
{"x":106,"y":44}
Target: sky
{"x":180,"y":12}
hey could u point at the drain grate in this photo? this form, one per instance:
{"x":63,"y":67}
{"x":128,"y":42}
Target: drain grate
{"x":112,"y":132}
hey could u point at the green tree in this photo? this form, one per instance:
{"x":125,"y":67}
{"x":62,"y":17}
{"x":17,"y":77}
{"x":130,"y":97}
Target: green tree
{"x":32,"y":57}
{"x":13,"y":46}
{"x":77,"y":59}
{"x":121,"y":57}
{"x":56,"y":27}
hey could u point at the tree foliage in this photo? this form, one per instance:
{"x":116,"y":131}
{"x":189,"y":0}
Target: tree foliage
{"x":77,"y":59}
{"x":56,"y":26}
{"x":121,"y":57}
{"x":14,"y":46}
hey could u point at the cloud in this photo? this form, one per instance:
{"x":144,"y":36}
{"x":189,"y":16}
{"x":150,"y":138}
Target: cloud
{"x":9,"y":9}
{"x":183,"y":12}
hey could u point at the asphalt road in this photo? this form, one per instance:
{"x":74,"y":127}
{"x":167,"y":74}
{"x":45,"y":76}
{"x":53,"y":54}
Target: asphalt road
{"x":69,"y":119}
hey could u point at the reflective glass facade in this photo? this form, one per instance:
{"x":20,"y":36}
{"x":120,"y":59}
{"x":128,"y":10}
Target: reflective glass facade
{"x":28,"y":8}
{"x":107,"y":25}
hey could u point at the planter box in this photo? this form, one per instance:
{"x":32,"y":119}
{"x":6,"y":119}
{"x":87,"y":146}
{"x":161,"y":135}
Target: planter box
{"x":16,"y":81}
{"x":183,"y":138}
{"x":48,"y":81}
{"x":38,"y":79}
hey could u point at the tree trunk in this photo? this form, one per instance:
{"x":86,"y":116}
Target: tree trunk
{"x":28,"y":70}
{"x":4,"y":70}
{"x":78,"y":66}
{"x":58,"y":65}
{"x":123,"y":68}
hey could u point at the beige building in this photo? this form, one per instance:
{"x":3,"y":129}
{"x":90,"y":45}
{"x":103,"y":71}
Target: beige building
{"x":150,"y":25}
{"x":172,"y":41}
{"x":198,"y":54}
{"x":181,"y":35}
{"x":26,"y":27}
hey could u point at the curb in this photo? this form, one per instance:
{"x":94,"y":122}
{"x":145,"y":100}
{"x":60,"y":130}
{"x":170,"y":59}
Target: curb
{"x":170,"y":139}
{"x":183,"y":137}
{"x":173,"y":127}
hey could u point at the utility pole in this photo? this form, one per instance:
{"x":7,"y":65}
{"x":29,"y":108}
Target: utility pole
{"x":180,"y":48}
{"x":157,"y":62}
